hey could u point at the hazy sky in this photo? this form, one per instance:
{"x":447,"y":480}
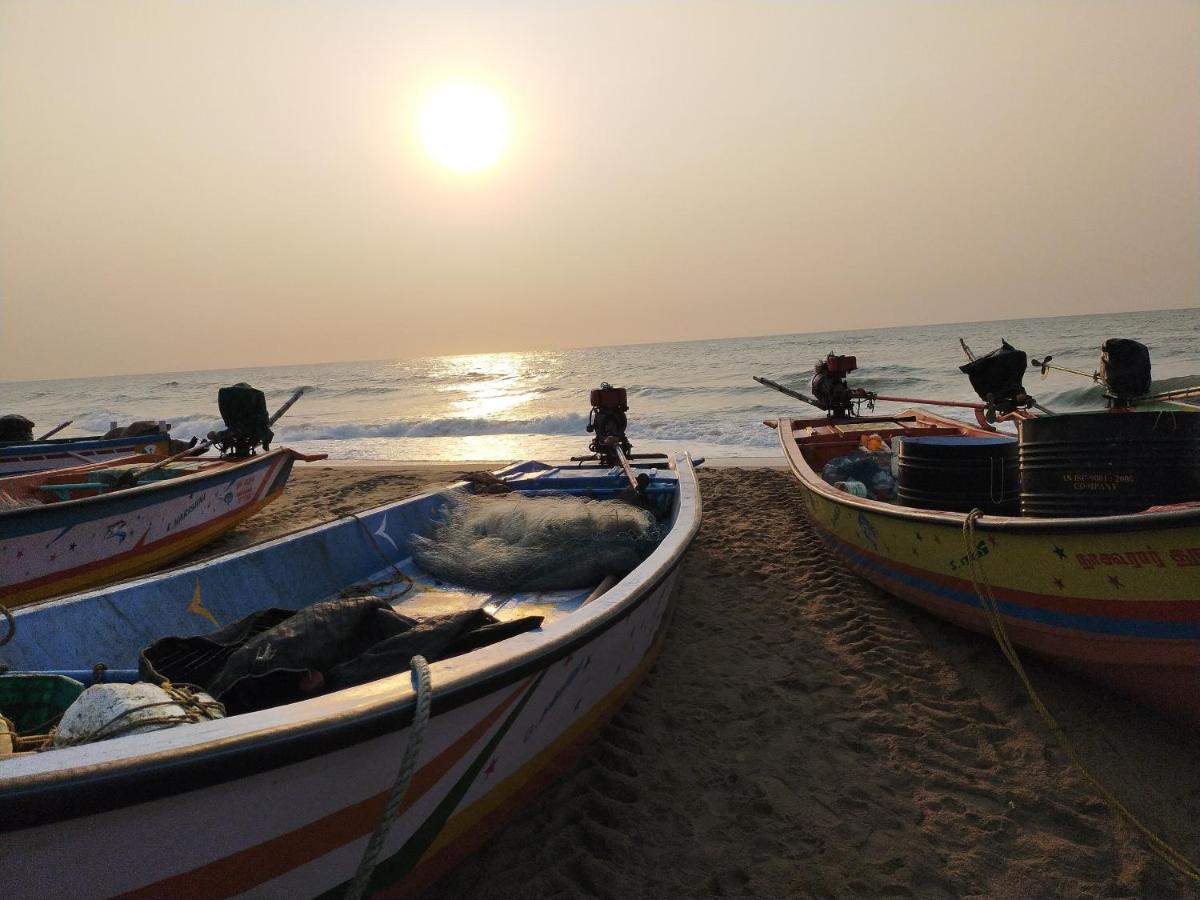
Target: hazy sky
{"x":201,"y":184}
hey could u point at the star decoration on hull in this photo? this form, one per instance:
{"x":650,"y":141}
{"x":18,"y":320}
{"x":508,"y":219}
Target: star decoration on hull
{"x":198,"y":608}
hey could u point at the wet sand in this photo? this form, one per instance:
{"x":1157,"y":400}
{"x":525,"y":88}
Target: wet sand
{"x":802,"y":734}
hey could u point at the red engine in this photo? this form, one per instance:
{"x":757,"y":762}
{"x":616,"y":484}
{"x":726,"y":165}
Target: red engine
{"x":836,"y":365}
{"x":608,"y":422}
{"x":829,"y":386}
{"x":610,"y":398}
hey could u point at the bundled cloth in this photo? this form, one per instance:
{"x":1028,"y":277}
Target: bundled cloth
{"x":276,"y":656}
{"x":106,"y":711}
{"x":869,"y":468}
{"x":514,"y":543}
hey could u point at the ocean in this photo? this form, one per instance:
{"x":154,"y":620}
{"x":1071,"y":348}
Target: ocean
{"x":695,"y":395}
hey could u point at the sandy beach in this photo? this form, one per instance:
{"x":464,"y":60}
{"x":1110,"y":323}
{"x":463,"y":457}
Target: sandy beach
{"x":803,"y":734}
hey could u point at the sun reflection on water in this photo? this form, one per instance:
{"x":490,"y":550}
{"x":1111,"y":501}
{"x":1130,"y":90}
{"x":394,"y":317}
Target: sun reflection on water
{"x":492,"y":383}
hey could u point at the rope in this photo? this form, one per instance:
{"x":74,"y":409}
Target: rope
{"x":400,"y":576}
{"x":12,"y":626}
{"x":992,"y":463}
{"x":1172,"y":857}
{"x":412,"y":750}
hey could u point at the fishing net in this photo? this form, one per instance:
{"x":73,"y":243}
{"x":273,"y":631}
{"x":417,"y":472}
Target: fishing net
{"x":8,"y":501}
{"x":514,"y":543}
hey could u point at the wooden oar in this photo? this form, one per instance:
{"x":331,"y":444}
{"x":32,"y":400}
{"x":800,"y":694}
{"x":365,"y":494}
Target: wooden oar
{"x":53,"y":431}
{"x":783,"y":390}
{"x":978,"y":407}
{"x":867,"y":395}
{"x":130,"y":478}
{"x":1180,"y":394}
{"x":625,"y":465}
{"x":288,"y":405}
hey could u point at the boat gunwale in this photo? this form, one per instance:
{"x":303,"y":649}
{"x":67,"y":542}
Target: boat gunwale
{"x":812,"y":481}
{"x":138,"y":490}
{"x":33,"y":448}
{"x":362,"y":713}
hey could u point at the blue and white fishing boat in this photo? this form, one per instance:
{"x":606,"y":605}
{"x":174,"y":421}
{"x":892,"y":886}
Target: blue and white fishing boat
{"x":284,"y":802}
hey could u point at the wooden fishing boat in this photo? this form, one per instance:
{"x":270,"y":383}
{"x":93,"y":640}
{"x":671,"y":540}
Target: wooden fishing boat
{"x":68,"y":529}
{"x":1115,"y":597}
{"x":63,"y":453}
{"x":282,"y":802}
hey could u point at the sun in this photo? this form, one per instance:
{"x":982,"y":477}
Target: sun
{"x":464,"y":127}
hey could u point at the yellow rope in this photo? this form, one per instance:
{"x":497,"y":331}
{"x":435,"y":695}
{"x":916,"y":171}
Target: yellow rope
{"x":1172,"y":857}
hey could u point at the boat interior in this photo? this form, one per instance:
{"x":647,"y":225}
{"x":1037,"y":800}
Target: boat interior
{"x":414,"y":592}
{"x":121,"y":627}
{"x":58,"y":485}
{"x":823,"y":440}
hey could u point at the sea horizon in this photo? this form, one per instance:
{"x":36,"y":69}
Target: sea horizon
{"x":684,"y":341}
{"x":693,"y":395}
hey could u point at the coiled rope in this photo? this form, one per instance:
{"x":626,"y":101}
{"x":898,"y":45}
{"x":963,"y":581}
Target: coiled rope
{"x":983,"y":590}
{"x":412,"y":750}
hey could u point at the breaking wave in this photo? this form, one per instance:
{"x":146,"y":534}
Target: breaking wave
{"x":696,"y":394}
{"x":571,"y":425}
{"x":444,"y":427}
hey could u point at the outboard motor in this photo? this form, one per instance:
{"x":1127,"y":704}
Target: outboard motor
{"x":1125,"y":371}
{"x":998,"y":379}
{"x":15,"y":428}
{"x":247,"y":424}
{"x":608,"y":422}
{"x":829,"y":386}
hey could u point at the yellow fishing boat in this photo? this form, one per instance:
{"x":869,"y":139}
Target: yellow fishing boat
{"x":1086,"y":568}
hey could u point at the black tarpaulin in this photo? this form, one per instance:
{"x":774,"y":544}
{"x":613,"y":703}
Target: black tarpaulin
{"x":274,"y":656}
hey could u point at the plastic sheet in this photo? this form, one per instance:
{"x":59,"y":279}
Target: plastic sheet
{"x":872,"y":469}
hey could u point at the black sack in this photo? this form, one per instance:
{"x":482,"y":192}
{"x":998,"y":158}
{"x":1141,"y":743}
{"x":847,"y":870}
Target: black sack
{"x":323,"y":647}
{"x":438,"y":637}
{"x":197,"y":660}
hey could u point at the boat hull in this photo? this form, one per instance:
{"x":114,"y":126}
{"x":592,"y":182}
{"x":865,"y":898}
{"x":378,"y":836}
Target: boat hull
{"x":309,"y":827}
{"x":1114,"y":598}
{"x":58,"y":548}
{"x":18,"y":459}
{"x":282,"y":802}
